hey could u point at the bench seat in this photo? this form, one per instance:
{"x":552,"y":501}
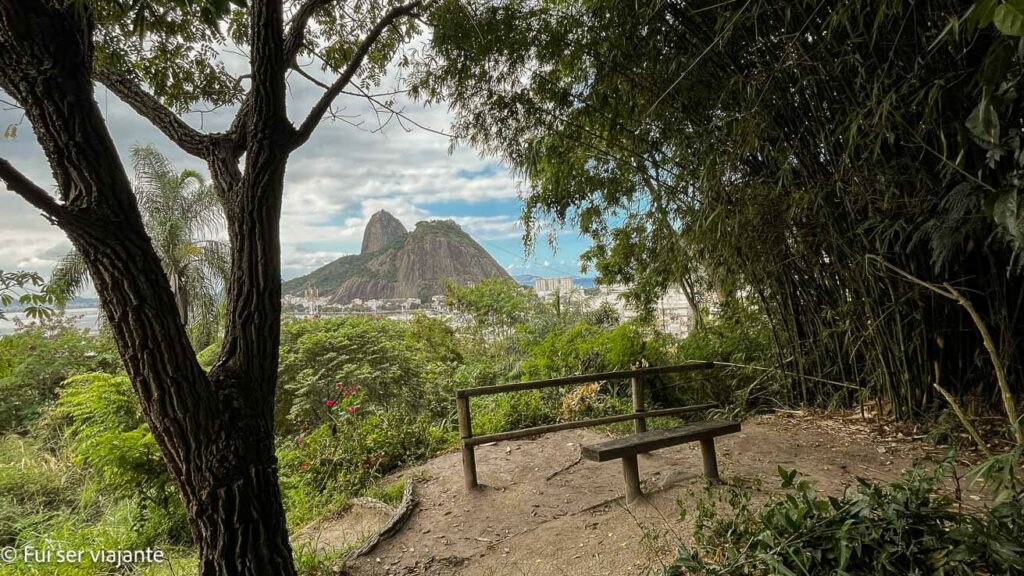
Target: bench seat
{"x":627,"y":448}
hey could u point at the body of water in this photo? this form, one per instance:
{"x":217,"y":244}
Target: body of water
{"x":87,"y":318}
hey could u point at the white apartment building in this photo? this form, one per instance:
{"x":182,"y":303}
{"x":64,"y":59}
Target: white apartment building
{"x":545,"y":287}
{"x":672,"y":313}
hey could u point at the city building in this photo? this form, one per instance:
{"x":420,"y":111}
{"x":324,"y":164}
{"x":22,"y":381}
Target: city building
{"x":547,"y":286}
{"x":672,"y":313}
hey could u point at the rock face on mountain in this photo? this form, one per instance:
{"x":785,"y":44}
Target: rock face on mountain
{"x":395,"y":263}
{"x":382,"y":230}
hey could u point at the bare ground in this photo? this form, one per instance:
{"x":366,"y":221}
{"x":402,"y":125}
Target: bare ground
{"x":524,"y":521}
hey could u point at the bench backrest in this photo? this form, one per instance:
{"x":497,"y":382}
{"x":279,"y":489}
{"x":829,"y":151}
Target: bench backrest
{"x":639,"y":415}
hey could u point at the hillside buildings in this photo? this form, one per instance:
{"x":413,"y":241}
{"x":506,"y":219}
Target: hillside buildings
{"x":672,"y":312}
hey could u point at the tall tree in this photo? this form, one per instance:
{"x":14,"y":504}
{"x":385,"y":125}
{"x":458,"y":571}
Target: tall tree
{"x":179,"y":209}
{"x":215,"y":430}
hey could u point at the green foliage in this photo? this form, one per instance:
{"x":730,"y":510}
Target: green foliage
{"x":37,"y":358}
{"x":107,"y":434}
{"x":372,"y":354}
{"x":321,"y":469}
{"x":35,"y":486}
{"x":30,"y":292}
{"x":587,"y":348}
{"x":48,"y":502}
{"x":768,"y":149}
{"x":494,"y":305}
{"x":737,"y":333}
{"x":390,"y":494}
{"x":907,"y":527}
{"x":1008,"y":17}
{"x":512,"y":411}
{"x":208,"y":356}
{"x":174,"y":46}
{"x":309,"y":561}
{"x":435,"y":338}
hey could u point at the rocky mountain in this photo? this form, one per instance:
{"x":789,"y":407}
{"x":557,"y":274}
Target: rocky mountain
{"x":396,"y":263}
{"x":382,"y":230}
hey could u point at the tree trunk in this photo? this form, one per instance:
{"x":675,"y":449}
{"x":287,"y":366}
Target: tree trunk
{"x":691,"y":298}
{"x":180,"y":290}
{"x":215,"y":431}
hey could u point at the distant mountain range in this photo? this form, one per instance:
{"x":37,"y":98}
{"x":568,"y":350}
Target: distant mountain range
{"x":396,"y":263}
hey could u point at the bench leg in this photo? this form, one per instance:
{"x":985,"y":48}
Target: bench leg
{"x":707,"y":450}
{"x":631,"y":473}
{"x":469,"y":467}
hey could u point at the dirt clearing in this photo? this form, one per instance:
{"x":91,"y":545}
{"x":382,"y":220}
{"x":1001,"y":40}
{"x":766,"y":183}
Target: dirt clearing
{"x":529,"y":519}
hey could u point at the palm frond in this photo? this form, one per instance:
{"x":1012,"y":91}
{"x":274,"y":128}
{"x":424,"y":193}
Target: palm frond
{"x":70,"y":276}
{"x":182,"y":215}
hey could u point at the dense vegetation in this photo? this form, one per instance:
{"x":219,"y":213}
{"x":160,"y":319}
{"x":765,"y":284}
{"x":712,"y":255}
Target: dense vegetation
{"x":836,"y":187}
{"x":908,"y":527}
{"x":837,"y":162}
{"x":361,"y":397}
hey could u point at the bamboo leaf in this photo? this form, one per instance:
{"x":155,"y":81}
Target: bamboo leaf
{"x":984,"y":122}
{"x":1009,"y":18}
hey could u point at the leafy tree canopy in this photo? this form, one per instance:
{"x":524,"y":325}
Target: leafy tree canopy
{"x":183,"y":49}
{"x":770,"y":148}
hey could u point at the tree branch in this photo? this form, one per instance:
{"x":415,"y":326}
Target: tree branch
{"x":297,"y":28}
{"x":320,"y":108}
{"x":148,"y":106}
{"x":30,"y":191}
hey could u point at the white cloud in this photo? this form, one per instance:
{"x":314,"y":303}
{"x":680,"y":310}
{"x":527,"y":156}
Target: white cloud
{"x":333,"y":184}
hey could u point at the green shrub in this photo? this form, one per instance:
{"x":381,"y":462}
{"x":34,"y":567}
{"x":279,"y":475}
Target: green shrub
{"x":512,"y":411}
{"x":371,"y":353}
{"x":107,"y":435}
{"x":114,"y":525}
{"x":35,"y":486}
{"x":737,"y":333}
{"x":907,"y":527}
{"x":37,"y":358}
{"x":587,"y":348}
{"x":321,"y":469}
{"x":207,"y":356}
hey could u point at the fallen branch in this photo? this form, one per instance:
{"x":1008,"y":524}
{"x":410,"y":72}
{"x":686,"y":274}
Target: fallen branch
{"x":579,"y":458}
{"x":394,"y":525}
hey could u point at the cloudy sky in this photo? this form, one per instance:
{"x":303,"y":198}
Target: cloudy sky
{"x":334,"y":184}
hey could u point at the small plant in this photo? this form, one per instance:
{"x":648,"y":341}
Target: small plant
{"x":907,"y":527}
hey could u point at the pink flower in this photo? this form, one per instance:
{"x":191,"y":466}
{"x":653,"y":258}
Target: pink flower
{"x":300,"y":440}
{"x":304,"y":466}
{"x":351,"y":409}
{"x":330,"y":403}
{"x":339,"y":385}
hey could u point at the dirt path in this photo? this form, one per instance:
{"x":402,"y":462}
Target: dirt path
{"x":522,"y":523}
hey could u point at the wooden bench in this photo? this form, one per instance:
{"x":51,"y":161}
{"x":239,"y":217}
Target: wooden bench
{"x":628,"y":447}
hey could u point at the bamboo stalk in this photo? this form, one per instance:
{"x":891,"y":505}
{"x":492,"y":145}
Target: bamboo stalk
{"x":964,"y":419}
{"x":947,"y":290}
{"x":1004,"y":385}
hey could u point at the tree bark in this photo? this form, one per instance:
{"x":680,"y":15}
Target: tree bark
{"x":215,"y":432}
